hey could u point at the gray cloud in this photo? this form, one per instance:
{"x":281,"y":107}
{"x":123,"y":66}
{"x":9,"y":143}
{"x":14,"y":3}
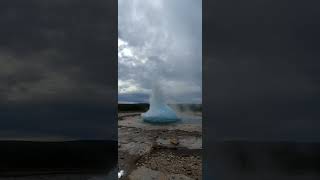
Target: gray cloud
{"x":261,"y":66}
{"x":261,"y":75}
{"x":57,"y":68}
{"x":162,"y":41}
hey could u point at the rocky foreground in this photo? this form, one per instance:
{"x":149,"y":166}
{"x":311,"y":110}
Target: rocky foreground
{"x":148,"y":151}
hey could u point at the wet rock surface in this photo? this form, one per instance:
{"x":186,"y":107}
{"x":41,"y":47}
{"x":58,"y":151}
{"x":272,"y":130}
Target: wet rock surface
{"x":170,"y":151}
{"x":135,"y":121}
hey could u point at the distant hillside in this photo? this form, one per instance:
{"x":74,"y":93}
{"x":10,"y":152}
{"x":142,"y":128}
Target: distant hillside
{"x":133,"y":107}
{"x":142,"y":107}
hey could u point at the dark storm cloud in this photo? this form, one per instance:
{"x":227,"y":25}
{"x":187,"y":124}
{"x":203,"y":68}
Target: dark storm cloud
{"x":66,"y":37}
{"x":261,"y":66}
{"x":56,"y":53}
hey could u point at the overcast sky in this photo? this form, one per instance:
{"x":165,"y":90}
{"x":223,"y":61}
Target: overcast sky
{"x":263,"y":81}
{"x":58,"y":69}
{"x":161,"y":41}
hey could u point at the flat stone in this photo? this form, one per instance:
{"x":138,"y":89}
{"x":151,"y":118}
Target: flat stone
{"x":174,"y":141}
{"x":189,"y":142}
{"x":134,"y":143}
{"x":134,"y":148}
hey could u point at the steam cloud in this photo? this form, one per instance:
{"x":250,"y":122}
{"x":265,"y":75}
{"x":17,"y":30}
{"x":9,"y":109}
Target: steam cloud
{"x":159,"y":111}
{"x":160,"y":37}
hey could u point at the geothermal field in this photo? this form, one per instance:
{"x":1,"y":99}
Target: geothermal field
{"x":159,"y":142}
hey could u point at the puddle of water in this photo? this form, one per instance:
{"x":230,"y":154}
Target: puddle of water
{"x":182,"y":120}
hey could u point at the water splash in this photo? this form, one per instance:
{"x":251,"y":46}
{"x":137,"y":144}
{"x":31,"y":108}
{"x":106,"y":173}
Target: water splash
{"x":159,"y":111}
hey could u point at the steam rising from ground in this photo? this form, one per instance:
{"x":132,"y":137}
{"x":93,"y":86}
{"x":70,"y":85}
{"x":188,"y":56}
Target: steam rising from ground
{"x":159,"y":111}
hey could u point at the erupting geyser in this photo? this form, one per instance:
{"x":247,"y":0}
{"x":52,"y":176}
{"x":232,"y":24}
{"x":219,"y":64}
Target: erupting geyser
{"x":159,"y":111}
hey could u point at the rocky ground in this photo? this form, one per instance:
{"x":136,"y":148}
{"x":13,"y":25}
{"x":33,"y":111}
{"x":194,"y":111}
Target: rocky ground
{"x":148,"y":151}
